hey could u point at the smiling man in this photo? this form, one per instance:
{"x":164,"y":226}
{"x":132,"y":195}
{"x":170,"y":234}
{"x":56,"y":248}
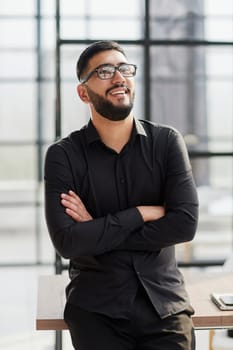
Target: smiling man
{"x":119,"y":195}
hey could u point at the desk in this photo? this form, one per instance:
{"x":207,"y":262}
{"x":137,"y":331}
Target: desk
{"x":207,"y":315}
{"x":51,"y":301}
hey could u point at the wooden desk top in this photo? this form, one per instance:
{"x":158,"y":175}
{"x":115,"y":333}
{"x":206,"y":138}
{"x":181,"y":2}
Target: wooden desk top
{"x":51,"y":301}
{"x":207,"y":314}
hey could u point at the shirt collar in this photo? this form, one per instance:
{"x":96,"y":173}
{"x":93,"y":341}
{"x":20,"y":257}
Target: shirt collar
{"x":139,"y":128}
{"x":92,"y":134}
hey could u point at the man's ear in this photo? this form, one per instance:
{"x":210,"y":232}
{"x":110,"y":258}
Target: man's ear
{"x":82,"y":92}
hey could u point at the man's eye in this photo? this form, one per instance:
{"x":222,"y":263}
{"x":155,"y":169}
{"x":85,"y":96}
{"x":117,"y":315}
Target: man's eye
{"x":125,"y":70}
{"x":104,"y":71}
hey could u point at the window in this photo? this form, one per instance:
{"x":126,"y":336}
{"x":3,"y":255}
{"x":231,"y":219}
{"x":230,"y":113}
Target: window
{"x":184,"y":78}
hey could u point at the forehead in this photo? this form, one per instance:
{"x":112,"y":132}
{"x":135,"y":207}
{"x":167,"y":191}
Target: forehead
{"x":109,"y":56}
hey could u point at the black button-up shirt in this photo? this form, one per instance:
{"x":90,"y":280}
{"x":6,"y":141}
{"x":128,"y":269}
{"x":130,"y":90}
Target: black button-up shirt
{"x":116,"y":251}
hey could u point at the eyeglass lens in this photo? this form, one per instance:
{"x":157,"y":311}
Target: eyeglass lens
{"x":107,"y":72}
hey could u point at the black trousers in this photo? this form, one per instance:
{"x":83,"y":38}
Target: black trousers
{"x":145,"y":330}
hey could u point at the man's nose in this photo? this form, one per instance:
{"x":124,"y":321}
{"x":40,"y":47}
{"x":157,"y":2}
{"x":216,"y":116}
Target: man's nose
{"x":118,"y":77}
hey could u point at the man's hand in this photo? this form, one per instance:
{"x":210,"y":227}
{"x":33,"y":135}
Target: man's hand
{"x":74,"y":207}
{"x":151,"y":212}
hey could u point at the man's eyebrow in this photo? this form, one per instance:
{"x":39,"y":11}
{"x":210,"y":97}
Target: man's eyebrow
{"x":111,"y":64}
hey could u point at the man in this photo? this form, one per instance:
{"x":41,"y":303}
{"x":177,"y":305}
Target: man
{"x":119,"y":196}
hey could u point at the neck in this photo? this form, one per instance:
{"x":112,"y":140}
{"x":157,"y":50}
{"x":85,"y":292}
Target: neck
{"x":114,"y":134}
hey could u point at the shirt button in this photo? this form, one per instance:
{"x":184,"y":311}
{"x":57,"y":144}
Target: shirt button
{"x":122,"y":181}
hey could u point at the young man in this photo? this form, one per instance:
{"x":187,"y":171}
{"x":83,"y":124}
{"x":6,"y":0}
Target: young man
{"x":119,"y":196}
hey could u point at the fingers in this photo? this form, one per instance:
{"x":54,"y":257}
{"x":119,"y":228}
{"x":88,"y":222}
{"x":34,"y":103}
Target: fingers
{"x":71,"y":200}
{"x":74,"y":207}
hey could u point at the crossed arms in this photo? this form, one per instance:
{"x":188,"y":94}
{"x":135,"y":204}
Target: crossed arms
{"x":74,"y":232}
{"x":75,"y":208}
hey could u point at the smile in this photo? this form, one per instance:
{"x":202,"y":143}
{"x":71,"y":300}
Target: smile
{"x":120,"y":90}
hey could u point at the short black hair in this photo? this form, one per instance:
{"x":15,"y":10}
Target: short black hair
{"x":92,"y":50}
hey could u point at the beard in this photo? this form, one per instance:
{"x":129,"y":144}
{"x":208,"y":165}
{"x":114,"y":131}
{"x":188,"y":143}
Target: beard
{"x":107,"y":109}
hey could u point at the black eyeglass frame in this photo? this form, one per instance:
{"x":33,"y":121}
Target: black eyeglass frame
{"x":116,"y":68}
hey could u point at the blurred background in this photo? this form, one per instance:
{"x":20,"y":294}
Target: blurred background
{"x":184,"y":53}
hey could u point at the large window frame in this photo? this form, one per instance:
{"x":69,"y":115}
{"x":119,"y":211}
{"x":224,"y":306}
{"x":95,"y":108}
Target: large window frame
{"x":146,"y":43}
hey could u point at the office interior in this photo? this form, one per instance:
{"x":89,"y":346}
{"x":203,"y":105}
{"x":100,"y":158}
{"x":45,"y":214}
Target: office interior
{"x":184,"y":53}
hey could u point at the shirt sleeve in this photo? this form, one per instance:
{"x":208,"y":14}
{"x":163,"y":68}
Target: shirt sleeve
{"x":72,"y":239}
{"x":180,"y":200}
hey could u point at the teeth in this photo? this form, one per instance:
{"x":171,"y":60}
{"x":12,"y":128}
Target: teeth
{"x":118,"y":92}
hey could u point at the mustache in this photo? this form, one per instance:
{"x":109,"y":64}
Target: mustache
{"x":117,"y":86}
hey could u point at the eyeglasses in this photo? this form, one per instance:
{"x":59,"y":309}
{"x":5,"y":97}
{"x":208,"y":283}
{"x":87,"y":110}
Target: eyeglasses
{"x":107,"y":71}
